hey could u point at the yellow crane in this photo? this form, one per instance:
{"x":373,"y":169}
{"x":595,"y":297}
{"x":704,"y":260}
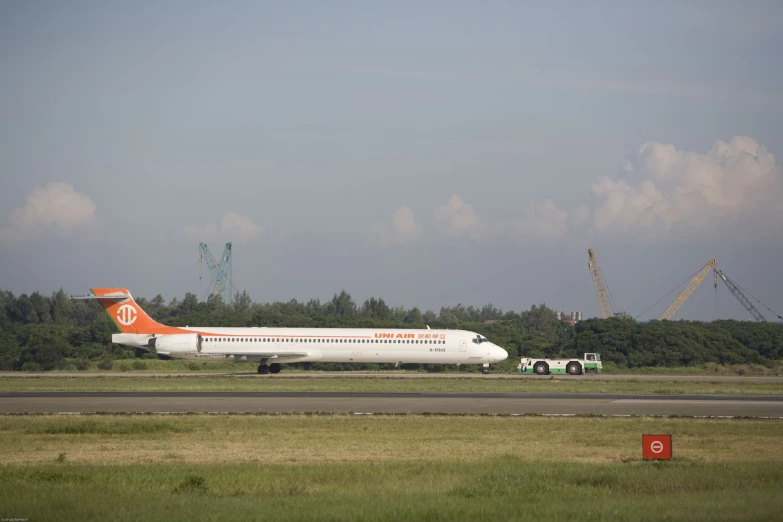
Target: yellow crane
{"x":695,"y":282}
{"x":600,"y":286}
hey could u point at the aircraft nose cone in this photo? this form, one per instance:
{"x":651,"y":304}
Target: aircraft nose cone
{"x":499,"y":354}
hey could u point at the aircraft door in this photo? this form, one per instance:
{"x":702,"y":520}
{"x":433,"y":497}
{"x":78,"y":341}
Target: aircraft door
{"x":463,"y":346}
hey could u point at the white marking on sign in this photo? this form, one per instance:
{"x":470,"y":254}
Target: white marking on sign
{"x":656,"y":446}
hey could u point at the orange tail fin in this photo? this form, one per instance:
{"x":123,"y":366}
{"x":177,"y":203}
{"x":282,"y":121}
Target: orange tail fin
{"x":126,"y":313}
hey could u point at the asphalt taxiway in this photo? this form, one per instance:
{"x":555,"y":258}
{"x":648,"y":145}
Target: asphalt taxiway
{"x":392,"y":403}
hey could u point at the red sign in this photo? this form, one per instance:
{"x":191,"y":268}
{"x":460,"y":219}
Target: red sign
{"x":657,"y":447}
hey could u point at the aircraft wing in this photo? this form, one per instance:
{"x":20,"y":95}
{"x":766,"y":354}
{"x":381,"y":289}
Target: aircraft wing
{"x":266,"y":354}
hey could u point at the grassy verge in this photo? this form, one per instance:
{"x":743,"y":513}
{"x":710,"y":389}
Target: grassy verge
{"x":385,"y":468}
{"x":498,"y":489}
{"x":266,"y":383}
{"x":759,"y":370}
{"x":185,"y":366}
{"x":206,"y":439}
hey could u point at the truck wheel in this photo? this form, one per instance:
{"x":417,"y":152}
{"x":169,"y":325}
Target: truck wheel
{"x":541,"y":368}
{"x":574,"y":368}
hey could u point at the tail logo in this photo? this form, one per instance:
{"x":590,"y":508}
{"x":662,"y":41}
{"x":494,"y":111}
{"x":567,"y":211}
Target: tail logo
{"x":126,"y":315}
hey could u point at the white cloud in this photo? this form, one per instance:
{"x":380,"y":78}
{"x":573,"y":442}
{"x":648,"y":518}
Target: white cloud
{"x":671,"y":192}
{"x":53,"y":209}
{"x":665,"y":193}
{"x":206,"y":233}
{"x":457,"y":218}
{"x":232,"y":227}
{"x":399,"y":229}
{"x":544,"y":221}
{"x":240,"y":227}
{"x":578,"y":216}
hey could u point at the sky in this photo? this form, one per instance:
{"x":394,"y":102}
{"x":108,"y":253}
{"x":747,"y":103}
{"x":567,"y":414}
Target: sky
{"x":428,"y":153}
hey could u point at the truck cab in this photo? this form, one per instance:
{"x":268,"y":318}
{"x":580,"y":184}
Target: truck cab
{"x":592,"y":362}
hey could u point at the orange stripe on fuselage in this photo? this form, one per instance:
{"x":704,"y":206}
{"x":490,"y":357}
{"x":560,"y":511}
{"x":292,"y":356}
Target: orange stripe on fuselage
{"x":295,"y":336}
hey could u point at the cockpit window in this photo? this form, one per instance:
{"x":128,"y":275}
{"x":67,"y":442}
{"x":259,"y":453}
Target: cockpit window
{"x":479,"y":339}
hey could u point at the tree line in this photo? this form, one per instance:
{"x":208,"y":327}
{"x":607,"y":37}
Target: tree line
{"x":46,"y":332}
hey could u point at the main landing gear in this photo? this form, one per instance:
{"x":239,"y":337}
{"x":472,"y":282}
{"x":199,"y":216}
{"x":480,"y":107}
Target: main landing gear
{"x":264,"y":369}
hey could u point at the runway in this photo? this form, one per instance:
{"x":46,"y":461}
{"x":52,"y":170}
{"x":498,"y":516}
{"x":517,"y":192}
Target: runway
{"x":392,"y":403}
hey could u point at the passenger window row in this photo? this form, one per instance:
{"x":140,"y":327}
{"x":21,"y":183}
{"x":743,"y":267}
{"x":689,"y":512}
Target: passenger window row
{"x":308,"y":340}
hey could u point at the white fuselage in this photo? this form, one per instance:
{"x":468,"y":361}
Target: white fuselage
{"x":371,"y":345}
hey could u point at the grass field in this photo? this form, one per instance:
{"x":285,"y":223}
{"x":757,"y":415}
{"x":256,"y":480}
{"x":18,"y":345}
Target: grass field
{"x":385,"y":468}
{"x":184,"y":366}
{"x":266,"y":383}
{"x":701,"y":369}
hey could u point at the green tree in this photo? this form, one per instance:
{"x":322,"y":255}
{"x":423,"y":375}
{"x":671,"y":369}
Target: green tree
{"x":342,"y":305}
{"x":42,"y":307}
{"x":373,"y":307}
{"x":242,"y":301}
{"x":414,"y":316}
{"x":25,"y":310}
{"x":61,"y":307}
{"x":188,"y":305}
{"x":46,"y":347}
{"x":26,"y":341}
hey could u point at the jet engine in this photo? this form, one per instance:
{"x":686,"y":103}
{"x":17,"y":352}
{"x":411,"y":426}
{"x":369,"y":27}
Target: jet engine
{"x":177,"y":343}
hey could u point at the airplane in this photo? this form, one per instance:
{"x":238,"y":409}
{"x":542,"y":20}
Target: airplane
{"x":271,"y":347}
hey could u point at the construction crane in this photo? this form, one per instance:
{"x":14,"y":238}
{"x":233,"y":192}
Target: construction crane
{"x":221,"y":277}
{"x":600,"y":285}
{"x":734,"y":289}
{"x":223,"y":284}
{"x":695,"y":282}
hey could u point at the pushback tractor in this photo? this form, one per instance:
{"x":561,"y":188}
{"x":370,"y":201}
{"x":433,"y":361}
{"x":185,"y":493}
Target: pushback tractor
{"x":590,"y":363}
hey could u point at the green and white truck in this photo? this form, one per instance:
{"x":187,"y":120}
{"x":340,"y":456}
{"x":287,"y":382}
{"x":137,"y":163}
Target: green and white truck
{"x":531,"y":365}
